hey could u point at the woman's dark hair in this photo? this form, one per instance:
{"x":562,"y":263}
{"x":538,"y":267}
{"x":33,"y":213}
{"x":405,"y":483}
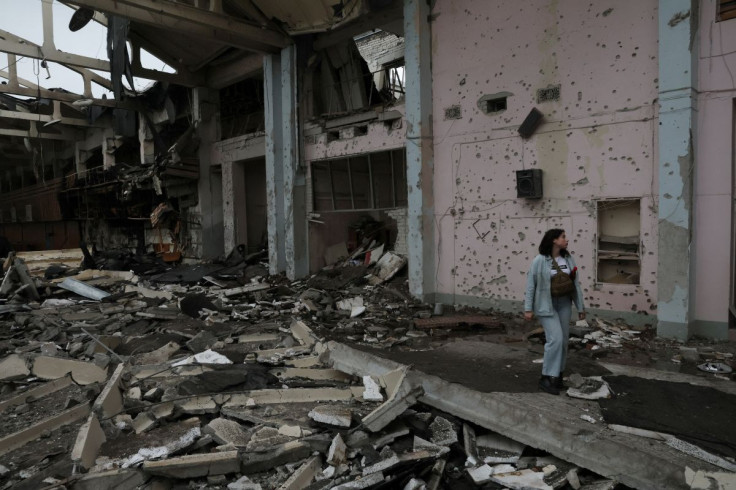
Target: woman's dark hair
{"x":545,"y":248}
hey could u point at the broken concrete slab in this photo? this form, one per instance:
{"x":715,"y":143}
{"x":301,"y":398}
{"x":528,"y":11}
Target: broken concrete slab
{"x":149,"y":293}
{"x":521,"y":480}
{"x":495,"y":449}
{"x":158,"y":356}
{"x":194,"y":465}
{"x":248,"y":288}
{"x":315,"y":374}
{"x":110,"y":400}
{"x":226,"y":431}
{"x":304,"y":475}
{"x":143,"y":422}
{"x":197,"y":405}
{"x":82,"y":289}
{"x":289,"y":452}
{"x":303,"y":333}
{"x":337,"y":416}
{"x":292,"y":395}
{"x":13,"y":368}
{"x":18,"y":439}
{"x":402,"y":398}
{"x":361,"y":482}
{"x":37,"y":392}
{"x":548,"y":423}
{"x":89,"y":440}
{"x":386,"y":268}
{"x":121,"y":479}
{"x":82,"y":373}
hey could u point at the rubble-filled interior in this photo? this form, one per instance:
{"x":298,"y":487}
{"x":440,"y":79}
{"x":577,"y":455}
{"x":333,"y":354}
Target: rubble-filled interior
{"x":286,"y":248}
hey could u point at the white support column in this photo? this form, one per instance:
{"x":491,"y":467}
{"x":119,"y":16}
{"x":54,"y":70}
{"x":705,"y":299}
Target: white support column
{"x":209,"y":206}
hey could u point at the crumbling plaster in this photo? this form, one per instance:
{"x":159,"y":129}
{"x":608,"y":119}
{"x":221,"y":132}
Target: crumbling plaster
{"x":597,"y":141}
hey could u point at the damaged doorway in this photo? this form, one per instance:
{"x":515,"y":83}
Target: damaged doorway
{"x":249,"y":195}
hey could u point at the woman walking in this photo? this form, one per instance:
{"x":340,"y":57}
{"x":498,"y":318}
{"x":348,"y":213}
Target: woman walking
{"x":551,"y":286}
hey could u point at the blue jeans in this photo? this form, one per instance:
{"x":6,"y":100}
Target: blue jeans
{"x":556,"y":332}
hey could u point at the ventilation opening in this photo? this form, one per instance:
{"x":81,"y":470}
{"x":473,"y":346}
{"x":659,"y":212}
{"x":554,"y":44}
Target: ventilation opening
{"x":495,"y":105}
{"x":619,"y":238}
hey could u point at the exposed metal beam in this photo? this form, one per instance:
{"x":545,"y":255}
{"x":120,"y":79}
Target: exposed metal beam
{"x":44,"y":136}
{"x":44,"y":118}
{"x":227,"y":73}
{"x":206,"y":24}
{"x":61,"y":96}
{"x":88,"y":75}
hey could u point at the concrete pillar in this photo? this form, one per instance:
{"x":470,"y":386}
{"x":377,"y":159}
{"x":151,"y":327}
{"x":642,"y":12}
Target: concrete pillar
{"x":209,"y":188}
{"x":285,"y":179}
{"x":419,"y":148}
{"x":677,"y":116}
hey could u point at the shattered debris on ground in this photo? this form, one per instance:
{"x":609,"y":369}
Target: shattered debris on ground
{"x":218,"y":375}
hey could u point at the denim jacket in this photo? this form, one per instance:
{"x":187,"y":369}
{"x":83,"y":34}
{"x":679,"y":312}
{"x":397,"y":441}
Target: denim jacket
{"x":538,"y":296}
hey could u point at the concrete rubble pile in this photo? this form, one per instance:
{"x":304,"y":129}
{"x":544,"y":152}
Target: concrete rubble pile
{"x":110,"y":380}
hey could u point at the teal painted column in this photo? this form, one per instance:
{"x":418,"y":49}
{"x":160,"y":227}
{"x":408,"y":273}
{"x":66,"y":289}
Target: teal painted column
{"x":285,"y":178}
{"x":677,"y":101}
{"x":419,"y":148}
{"x":274,"y":168}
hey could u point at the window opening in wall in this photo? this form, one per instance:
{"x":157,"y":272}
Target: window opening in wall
{"x":372,"y":181}
{"x":242,"y":108}
{"x":726,"y":10}
{"x":619,"y":238}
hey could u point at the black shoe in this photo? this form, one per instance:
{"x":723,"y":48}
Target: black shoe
{"x":560,"y":385}
{"x":549,"y":384}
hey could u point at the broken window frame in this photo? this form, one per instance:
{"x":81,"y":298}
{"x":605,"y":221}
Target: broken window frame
{"x":396,"y":160}
{"x":621,"y":252}
{"x":725,"y":10}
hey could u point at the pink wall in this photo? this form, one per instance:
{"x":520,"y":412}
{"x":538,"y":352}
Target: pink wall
{"x":598,"y":140}
{"x":714,"y":157}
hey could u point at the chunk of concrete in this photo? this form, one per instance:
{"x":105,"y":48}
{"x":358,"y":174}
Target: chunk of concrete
{"x":521,"y":480}
{"x":244,"y":483}
{"x":337,"y":453}
{"x":195,"y":465}
{"x":291,"y":431}
{"x":289,"y":452}
{"x":202,"y":341}
{"x":83,"y":373}
{"x":89,"y":440}
{"x":337,"y":416}
{"x":372,"y":391}
{"x":592,"y":388}
{"x":18,"y":439}
{"x":225,"y":431}
{"x":143,"y":422}
{"x":495,"y":448}
{"x":197,"y":405}
{"x":442,"y":432}
{"x":304,"y":475}
{"x":401,"y":396}
{"x":158,"y":356}
{"x":303,"y":333}
{"x":13,"y":368}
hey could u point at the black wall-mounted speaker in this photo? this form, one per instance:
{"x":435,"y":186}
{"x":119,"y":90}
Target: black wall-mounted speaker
{"x":529,"y":183}
{"x":531,"y":123}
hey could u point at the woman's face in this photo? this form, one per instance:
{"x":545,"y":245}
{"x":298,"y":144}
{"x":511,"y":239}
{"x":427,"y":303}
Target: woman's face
{"x":561,"y":241}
